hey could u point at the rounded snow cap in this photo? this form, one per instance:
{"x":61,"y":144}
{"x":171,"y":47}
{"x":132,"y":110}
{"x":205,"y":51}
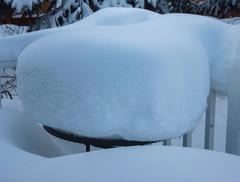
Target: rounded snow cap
{"x":118,"y":16}
{"x":128,"y":82}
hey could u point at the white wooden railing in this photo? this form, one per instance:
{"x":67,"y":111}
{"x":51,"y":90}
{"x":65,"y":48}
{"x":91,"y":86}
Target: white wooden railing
{"x":233,"y":119}
{"x":233,"y":116}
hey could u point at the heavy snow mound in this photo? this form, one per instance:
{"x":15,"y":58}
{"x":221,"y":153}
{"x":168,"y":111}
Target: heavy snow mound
{"x":118,"y":16}
{"x":12,"y":46}
{"x":116,"y":82}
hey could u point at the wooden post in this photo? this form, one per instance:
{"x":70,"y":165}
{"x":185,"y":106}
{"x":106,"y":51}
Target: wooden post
{"x":167,"y":142}
{"x":210,"y":121}
{"x":233,"y":118}
{"x":0,"y":88}
{"x":187,"y":140}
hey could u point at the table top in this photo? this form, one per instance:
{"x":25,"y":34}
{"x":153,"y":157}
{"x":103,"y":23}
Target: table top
{"x":134,"y":164}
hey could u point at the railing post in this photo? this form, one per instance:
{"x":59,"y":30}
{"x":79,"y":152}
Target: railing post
{"x":187,"y":140}
{"x":0,"y":88}
{"x":233,"y":118}
{"x":167,"y":142}
{"x":210,"y":121}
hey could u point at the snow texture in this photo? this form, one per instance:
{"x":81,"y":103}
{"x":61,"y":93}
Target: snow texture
{"x":221,"y":42}
{"x":117,"y":16}
{"x":11,"y":46}
{"x":141,"y":164}
{"x":112,"y":82}
{"x":23,"y":140}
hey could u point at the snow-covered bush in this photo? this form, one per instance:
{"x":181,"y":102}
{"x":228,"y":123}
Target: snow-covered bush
{"x":63,"y":12}
{"x":233,"y":21}
{"x":54,"y":13}
{"x":9,"y":30}
{"x":220,"y":8}
{"x":23,"y":5}
{"x":8,"y":76}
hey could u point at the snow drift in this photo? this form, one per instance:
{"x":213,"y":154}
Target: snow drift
{"x":112,"y":82}
{"x":23,"y":141}
{"x":117,"y":16}
{"x":141,"y":164}
{"x":12,"y":46}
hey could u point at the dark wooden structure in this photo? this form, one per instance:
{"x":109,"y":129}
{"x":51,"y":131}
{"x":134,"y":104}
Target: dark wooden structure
{"x":22,"y":21}
{"x":8,"y":15}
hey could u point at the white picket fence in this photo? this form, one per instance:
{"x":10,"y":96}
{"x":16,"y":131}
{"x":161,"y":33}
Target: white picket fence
{"x":233,"y":119}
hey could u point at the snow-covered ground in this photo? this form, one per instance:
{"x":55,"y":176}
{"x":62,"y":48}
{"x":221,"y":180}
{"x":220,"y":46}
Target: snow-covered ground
{"x":135,"y":164}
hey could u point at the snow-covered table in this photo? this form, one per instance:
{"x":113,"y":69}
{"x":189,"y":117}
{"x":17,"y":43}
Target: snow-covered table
{"x":135,"y":164}
{"x":143,"y":88}
{"x":106,"y":80}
